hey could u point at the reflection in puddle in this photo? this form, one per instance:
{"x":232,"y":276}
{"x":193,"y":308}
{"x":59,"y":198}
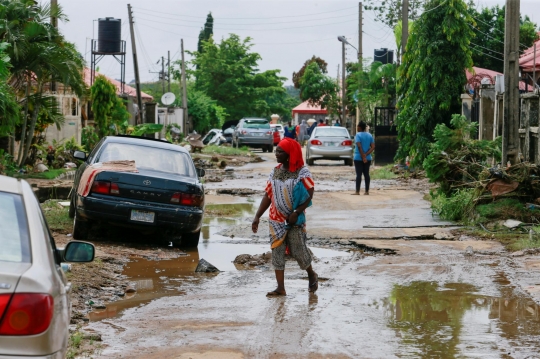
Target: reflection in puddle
{"x":221,"y":216}
{"x":453,"y":321}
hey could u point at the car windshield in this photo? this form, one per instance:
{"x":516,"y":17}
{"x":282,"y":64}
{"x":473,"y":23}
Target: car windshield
{"x":331,"y":132}
{"x":261,"y":124}
{"x":149,"y":158}
{"x":14,"y":239}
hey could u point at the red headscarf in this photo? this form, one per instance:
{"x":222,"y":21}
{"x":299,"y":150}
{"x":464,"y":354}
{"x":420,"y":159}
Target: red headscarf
{"x":294,"y":151}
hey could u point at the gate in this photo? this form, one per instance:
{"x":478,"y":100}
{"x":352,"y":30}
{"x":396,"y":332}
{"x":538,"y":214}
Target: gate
{"x":385,"y":135}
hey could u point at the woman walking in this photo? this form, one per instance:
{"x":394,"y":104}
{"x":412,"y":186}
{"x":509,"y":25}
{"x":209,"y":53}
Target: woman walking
{"x":364,"y":146}
{"x":289,"y":191}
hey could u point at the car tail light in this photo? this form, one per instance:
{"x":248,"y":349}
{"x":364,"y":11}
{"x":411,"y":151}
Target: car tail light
{"x":115,"y":189}
{"x":26,"y":313}
{"x":101,"y":187}
{"x":4,"y":301}
{"x":346,"y":143}
{"x":269,"y":132}
{"x":185,"y":199}
{"x":316,"y":143}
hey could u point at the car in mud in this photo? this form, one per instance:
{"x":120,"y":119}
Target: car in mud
{"x":35,"y":306}
{"x":330,"y":143}
{"x":254,"y":132}
{"x":143,"y":183}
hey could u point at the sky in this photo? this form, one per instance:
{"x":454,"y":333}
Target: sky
{"x":284,"y":33}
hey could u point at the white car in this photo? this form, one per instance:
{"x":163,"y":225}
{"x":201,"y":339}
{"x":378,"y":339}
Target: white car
{"x":213,"y":137}
{"x":280,"y":129}
{"x":35,"y":307}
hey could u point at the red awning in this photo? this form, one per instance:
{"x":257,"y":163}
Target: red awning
{"x":306,"y":108}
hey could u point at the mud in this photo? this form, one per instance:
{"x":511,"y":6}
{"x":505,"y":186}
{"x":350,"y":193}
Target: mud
{"x":388,"y":288}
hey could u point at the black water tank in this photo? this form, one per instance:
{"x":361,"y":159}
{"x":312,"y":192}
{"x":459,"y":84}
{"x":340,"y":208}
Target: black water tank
{"x":109,"y":35}
{"x":384,"y":55}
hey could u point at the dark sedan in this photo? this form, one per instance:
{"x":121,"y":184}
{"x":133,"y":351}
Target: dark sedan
{"x":163,"y":192}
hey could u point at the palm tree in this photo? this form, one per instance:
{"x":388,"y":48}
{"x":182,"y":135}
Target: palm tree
{"x":39,"y":54}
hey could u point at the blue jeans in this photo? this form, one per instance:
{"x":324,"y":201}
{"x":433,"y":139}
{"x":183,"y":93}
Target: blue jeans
{"x":362,"y":168}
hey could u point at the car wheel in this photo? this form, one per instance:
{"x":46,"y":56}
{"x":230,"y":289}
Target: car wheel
{"x":191,"y":240}
{"x":80,"y":228}
{"x":71,"y":212}
{"x":270,"y":148}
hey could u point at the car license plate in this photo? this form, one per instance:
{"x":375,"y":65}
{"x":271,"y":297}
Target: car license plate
{"x":258,"y":134}
{"x":142,"y":216}
{"x":331,"y":143}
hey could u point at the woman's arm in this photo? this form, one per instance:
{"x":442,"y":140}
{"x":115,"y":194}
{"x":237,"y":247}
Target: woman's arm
{"x":265,"y":203}
{"x":293,"y":217}
{"x":371,"y":148}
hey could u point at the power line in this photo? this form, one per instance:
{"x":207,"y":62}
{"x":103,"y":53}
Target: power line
{"x":250,"y":18}
{"x":257,"y":24}
{"x":485,"y":48}
{"x":494,"y":28}
{"x":483,"y":53}
{"x":227,"y":29}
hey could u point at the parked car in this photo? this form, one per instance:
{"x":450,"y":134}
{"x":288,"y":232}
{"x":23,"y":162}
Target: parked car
{"x":254,"y":132}
{"x":228,"y":129}
{"x":330,"y":143}
{"x":35,"y":307}
{"x":164,"y":195}
{"x":280,"y":128}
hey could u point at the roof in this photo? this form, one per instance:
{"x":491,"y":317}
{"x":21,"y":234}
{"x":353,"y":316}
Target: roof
{"x":481,"y":73}
{"x":306,"y":108}
{"x":526,"y":60}
{"x":130,"y":91}
{"x":9,"y":184}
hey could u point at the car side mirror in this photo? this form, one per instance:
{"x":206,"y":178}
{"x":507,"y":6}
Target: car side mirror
{"x":78,"y":252}
{"x":200,"y":172}
{"x":80,"y":155}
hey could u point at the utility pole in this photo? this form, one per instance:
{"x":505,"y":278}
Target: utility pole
{"x":510,"y":146}
{"x":169,"y":70}
{"x":360,"y":19}
{"x":135,"y":65}
{"x":343,"y":91}
{"x":184,"y":89}
{"x":404,"y":26}
{"x":163,"y":73}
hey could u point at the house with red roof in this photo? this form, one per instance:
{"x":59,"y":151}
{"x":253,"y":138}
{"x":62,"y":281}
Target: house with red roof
{"x":529,"y":63}
{"x":305,"y":111}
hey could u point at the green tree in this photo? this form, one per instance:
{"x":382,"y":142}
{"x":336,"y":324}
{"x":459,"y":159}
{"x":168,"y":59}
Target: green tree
{"x":320,"y":89}
{"x":389,"y":11}
{"x":228,"y":73}
{"x":38,"y":54}
{"x":9,"y":108}
{"x":432,"y":75}
{"x":206,"y":32}
{"x":110,"y":113}
{"x":296,"y":76}
{"x":204,"y":112}
{"x":488,"y":44}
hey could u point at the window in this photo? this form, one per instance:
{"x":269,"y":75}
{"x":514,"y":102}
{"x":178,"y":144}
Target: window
{"x":74,"y":107}
{"x":327,"y":131}
{"x":261,"y":124}
{"x":14,"y":238}
{"x":149,"y":158}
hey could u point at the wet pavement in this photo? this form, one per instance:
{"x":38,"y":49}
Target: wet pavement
{"x":433,"y":299}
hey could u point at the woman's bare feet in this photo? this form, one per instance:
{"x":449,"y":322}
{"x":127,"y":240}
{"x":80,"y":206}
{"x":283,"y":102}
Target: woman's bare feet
{"x":276,"y":293}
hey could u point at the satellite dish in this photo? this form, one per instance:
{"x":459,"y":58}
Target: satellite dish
{"x":168,"y":98}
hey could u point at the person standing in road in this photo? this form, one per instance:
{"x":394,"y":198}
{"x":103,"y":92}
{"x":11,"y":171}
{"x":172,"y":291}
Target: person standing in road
{"x":364,"y":146}
{"x":289,"y":191}
{"x":321,"y":123}
{"x":302,"y":132}
{"x":289,"y":131}
{"x":337,"y":124}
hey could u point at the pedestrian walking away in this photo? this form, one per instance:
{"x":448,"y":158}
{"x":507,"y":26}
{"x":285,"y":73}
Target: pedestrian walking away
{"x":302,"y":133}
{"x":289,"y":191}
{"x":364,"y":146}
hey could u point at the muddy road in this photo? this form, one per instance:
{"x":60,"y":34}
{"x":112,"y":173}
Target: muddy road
{"x":395,"y":282}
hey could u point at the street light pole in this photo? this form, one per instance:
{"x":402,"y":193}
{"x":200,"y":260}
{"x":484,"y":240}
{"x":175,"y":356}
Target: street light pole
{"x":343,"y":90}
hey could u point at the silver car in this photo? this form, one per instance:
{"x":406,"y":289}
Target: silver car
{"x":254,"y":132}
{"x":34,"y":292}
{"x":330,"y":143}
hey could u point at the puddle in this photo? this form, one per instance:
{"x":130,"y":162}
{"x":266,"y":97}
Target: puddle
{"x":171,"y":277}
{"x":224,"y":215}
{"x":450,"y":321}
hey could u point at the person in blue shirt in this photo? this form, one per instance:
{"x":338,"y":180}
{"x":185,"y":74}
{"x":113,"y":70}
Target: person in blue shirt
{"x":364,"y":146}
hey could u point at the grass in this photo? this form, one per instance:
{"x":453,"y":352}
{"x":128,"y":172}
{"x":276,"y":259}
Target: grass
{"x":226,"y":150}
{"x":57,"y":216}
{"x":507,"y":208}
{"x":50,"y":174}
{"x":383,"y":173}
{"x":74,"y":344}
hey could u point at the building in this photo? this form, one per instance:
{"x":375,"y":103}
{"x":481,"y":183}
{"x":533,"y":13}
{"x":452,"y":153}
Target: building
{"x":305,"y":111}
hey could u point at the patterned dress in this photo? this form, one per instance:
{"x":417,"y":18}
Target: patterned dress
{"x":279,"y":189}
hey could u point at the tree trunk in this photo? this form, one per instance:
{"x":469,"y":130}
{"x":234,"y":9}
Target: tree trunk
{"x":23,"y":128}
{"x":4,"y":144}
{"x":30,"y":136}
